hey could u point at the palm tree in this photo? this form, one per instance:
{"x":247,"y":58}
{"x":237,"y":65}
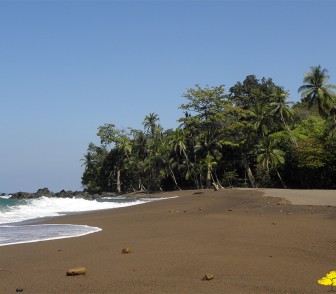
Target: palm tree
{"x":164,"y":151}
{"x":316,"y":91}
{"x":150,"y":125}
{"x":280,"y":108}
{"x":258,"y":114}
{"x":209,"y":162}
{"x":139,"y":154}
{"x":89,"y":160}
{"x":270,"y":157}
{"x":178,"y":142}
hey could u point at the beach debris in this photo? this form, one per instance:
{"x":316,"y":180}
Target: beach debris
{"x":229,"y":209}
{"x":19,"y":290}
{"x":288,"y":213}
{"x":76,"y":271}
{"x":208,"y":277}
{"x":196,"y":193}
{"x":126,"y":251}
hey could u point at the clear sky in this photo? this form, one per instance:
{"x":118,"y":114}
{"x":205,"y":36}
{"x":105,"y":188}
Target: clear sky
{"x":67,"y":67}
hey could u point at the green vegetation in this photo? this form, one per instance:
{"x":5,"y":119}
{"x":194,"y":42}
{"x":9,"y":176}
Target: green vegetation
{"x":250,"y":136}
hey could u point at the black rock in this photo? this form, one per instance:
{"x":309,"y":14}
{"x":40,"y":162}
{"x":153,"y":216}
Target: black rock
{"x":62,"y":194}
{"x":73,"y":194}
{"x":39,"y":193}
{"x":43,"y":192}
{"x":21,"y":195}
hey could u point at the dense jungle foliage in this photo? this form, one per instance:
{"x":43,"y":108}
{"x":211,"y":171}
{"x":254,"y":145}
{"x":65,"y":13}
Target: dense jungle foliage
{"x":249,"y":137}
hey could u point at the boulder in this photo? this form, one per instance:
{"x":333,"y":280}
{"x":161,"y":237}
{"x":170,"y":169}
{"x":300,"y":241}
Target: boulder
{"x":39,"y":193}
{"x":62,"y":194}
{"x":43,"y":192}
{"x":21,"y":195}
{"x":77,"y":271}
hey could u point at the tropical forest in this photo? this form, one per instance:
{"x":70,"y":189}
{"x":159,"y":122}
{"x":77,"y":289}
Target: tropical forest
{"x":248,"y":135}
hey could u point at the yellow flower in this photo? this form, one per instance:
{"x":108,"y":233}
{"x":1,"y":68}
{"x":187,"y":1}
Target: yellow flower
{"x":325,"y":281}
{"x":331,"y":275}
{"x":328,"y":280}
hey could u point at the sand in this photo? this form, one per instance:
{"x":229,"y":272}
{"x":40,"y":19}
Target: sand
{"x":250,"y":242}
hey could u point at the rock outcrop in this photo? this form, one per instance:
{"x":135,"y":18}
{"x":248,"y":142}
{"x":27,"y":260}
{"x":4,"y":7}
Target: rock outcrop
{"x":62,"y":194}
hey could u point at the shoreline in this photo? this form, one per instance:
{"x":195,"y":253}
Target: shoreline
{"x":39,"y":227}
{"x":38,"y":230}
{"x":243,"y":238}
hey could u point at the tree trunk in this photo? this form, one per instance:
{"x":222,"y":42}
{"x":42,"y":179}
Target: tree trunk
{"x":217,"y":181}
{"x":118,"y":182}
{"x":191,"y":172}
{"x":282,"y":182}
{"x":214,"y":182}
{"x":208,"y":178}
{"x":249,"y":172}
{"x":174,"y":179}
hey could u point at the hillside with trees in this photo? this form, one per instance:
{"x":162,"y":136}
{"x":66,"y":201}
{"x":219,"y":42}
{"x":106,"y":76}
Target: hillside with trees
{"x":249,"y":136}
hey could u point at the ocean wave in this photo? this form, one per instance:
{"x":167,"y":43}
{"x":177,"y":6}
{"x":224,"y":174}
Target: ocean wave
{"x":10,"y":235}
{"x":6,"y":196}
{"x":29,"y":209}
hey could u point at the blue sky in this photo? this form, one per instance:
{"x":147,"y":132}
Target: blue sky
{"x":68,"y":67}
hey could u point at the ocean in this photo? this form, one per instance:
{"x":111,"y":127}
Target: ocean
{"x":17,"y":217}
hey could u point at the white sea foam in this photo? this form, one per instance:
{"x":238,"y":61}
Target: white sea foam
{"x":10,"y":235}
{"x":6,"y":196}
{"x":51,"y":207}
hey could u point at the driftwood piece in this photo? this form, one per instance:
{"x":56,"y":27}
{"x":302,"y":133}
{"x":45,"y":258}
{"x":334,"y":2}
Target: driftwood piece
{"x":208,"y":277}
{"x":76,"y":271}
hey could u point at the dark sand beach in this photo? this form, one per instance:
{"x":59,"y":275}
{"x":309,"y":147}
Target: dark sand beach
{"x":250,"y":242}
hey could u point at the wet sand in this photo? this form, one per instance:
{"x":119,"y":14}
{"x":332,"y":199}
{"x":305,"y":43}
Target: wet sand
{"x":250,"y":242}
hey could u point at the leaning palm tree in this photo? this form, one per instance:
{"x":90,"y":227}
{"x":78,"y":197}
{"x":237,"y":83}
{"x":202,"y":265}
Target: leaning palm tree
{"x":209,"y":162}
{"x":316,"y":91}
{"x":270,"y":157}
{"x":178,"y":142}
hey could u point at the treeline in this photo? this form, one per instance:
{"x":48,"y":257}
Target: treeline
{"x":249,"y":137}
